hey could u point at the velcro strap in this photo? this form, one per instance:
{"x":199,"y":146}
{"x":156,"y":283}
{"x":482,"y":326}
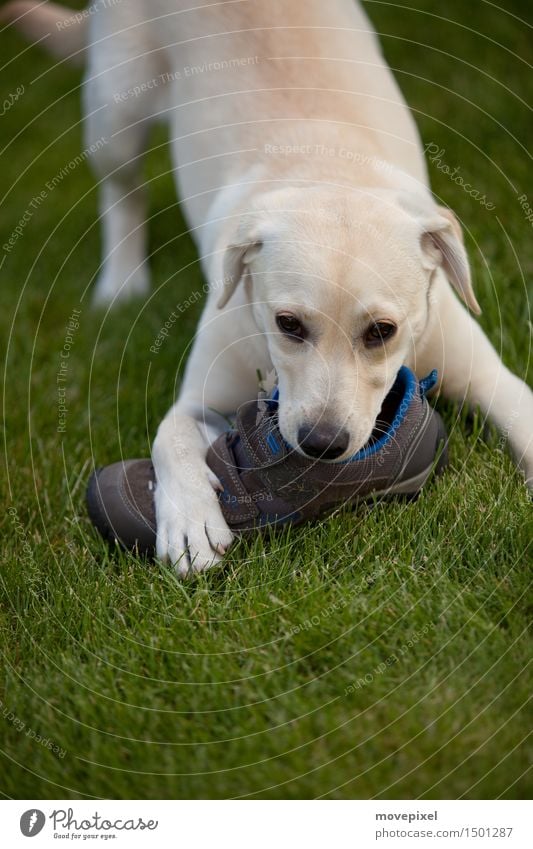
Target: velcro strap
{"x":261,"y":439}
{"x":235,"y":501}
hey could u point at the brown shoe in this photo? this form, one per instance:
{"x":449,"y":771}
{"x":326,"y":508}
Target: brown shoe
{"x":266,"y":483}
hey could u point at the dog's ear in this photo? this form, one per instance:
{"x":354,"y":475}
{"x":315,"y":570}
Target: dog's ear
{"x":442,"y":245}
{"x":236,"y":259}
{"x":259,"y":226}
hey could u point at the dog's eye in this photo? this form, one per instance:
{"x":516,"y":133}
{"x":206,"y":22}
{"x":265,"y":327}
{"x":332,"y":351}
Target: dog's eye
{"x":290,"y":325}
{"x":379,"y":332}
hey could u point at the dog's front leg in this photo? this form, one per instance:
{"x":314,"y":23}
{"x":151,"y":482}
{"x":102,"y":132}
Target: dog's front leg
{"x":220,"y":375}
{"x":191,"y":530}
{"x":472,"y":371}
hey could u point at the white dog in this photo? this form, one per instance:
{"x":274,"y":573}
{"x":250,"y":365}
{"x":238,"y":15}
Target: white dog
{"x":303,"y":181}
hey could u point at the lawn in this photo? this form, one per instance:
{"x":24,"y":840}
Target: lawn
{"x":381,"y":654}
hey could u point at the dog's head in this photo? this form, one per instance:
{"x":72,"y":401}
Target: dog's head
{"x":341,"y":285}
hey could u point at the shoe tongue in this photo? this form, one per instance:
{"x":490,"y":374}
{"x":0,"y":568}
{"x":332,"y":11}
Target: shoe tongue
{"x":258,"y":442}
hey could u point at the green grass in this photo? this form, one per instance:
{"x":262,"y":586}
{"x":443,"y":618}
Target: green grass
{"x":243,"y":682}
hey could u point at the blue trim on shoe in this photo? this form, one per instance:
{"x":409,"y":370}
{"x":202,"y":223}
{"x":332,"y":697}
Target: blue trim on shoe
{"x":427,"y":383}
{"x":273,"y":443}
{"x":410,"y":384}
{"x":273,"y":400}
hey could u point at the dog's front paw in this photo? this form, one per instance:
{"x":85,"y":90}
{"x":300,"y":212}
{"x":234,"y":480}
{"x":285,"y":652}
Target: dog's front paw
{"x":192,"y":533}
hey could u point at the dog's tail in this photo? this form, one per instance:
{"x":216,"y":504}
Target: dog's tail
{"x":58,"y":29}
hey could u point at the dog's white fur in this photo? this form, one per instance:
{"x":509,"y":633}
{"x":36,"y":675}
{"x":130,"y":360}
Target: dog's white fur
{"x":303,"y":180}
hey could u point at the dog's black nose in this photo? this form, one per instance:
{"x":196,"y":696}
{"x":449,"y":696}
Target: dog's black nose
{"x":323,"y":441}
